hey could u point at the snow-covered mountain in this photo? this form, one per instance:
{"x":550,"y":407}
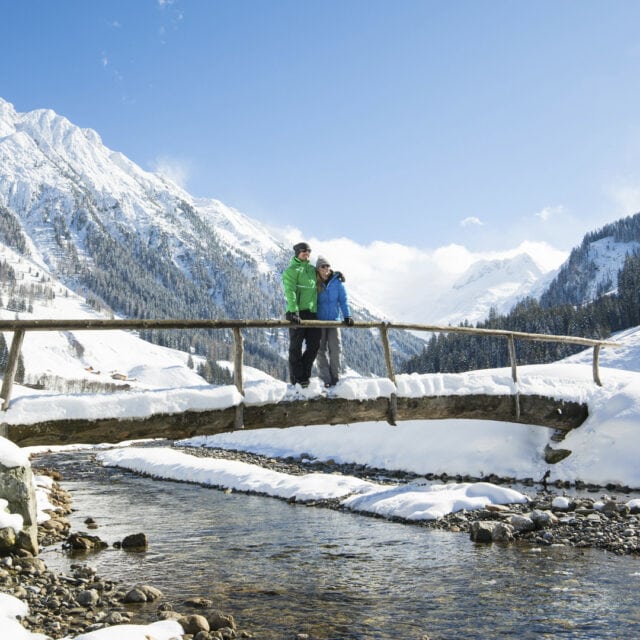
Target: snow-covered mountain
{"x":590,"y":271}
{"x":607,"y":256}
{"x":135,"y":244}
{"x":491,"y":284}
{"x":60,"y":180}
{"x":592,"y":268}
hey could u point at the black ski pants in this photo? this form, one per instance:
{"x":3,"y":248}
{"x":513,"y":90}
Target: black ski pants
{"x":303,"y":348}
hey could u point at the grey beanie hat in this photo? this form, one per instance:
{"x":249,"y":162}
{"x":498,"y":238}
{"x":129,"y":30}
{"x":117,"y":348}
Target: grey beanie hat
{"x":321,"y":261}
{"x":301,"y":246}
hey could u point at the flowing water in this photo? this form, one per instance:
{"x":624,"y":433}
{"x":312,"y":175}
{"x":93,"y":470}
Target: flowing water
{"x":283,"y":569}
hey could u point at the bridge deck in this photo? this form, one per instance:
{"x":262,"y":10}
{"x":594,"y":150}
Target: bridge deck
{"x":562,"y":416}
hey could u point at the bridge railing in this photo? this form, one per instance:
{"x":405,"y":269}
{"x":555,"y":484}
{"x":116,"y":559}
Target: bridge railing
{"x":20,"y":327}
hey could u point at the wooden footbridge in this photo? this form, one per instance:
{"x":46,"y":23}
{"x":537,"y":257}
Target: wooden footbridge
{"x":561,"y":416}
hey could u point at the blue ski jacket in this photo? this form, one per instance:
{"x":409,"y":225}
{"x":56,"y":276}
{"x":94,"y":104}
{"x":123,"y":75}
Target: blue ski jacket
{"x":332,"y":299}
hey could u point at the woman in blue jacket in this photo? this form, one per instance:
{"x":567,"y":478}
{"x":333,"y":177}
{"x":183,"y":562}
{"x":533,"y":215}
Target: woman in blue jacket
{"x":332,"y":301}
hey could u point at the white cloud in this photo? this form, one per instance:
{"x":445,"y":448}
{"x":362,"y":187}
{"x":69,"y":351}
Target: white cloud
{"x":406,"y":283}
{"x":104,"y":59}
{"x":547,"y":257}
{"x":471,"y":220}
{"x":549,"y":212}
{"x":174,"y":169}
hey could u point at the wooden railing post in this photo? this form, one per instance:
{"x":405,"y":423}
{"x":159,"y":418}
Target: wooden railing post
{"x":238,"y":352}
{"x":514,"y":375}
{"x":386,"y":346}
{"x":512,"y":358}
{"x":12,"y":366}
{"x":596,"y":371}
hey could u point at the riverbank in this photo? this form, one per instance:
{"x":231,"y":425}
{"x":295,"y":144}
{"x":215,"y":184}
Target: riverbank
{"x":68,"y":605}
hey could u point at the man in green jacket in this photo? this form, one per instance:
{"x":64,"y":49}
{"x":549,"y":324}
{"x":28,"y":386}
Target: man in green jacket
{"x":301,"y":293}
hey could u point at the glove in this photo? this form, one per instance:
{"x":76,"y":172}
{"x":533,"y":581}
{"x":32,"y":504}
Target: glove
{"x":348,"y":322}
{"x":293,"y":317}
{"x":339,"y":275}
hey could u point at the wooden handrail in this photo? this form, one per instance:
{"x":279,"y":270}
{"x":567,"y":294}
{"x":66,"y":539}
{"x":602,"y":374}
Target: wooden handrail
{"x":20,"y":327}
{"x":141,"y":323}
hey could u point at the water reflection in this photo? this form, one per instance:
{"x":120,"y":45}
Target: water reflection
{"x":285,"y":569}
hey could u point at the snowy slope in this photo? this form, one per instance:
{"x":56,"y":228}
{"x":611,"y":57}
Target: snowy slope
{"x":608,"y":257}
{"x":625,"y":357}
{"x":49,"y":166}
{"x":85,"y":360}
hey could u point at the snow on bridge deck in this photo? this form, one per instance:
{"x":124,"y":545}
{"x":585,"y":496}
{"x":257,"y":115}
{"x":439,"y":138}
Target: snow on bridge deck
{"x":556,"y":401}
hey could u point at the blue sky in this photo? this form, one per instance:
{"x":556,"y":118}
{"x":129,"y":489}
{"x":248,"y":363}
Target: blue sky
{"x":424,"y":122}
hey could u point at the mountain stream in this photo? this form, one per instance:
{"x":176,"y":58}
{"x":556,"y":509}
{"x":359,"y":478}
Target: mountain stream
{"x":285,"y":569}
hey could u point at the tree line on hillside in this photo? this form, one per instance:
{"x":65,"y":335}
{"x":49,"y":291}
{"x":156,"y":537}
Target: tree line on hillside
{"x":137,"y":280}
{"x":571,"y":285}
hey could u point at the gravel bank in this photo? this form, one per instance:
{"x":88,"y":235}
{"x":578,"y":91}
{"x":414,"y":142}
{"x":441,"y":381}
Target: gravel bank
{"x":602,"y":521}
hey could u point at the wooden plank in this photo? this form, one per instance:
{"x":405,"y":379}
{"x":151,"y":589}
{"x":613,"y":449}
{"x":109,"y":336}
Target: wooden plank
{"x":535,"y":410}
{"x":316,"y":411}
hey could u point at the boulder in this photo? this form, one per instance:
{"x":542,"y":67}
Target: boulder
{"x":152,"y":593}
{"x":143,"y":593}
{"x":482,"y":530}
{"x":543,"y":518}
{"x":502,"y":532}
{"x":17,"y":487}
{"x":521,"y":523}
{"x":491,"y":531}
{"x":135,"y":595}
{"x":88,"y":598}
{"x":84,"y":542}
{"x":135,"y":542}
{"x":7,"y":541}
{"x":218,"y":620}
{"x":193,"y":624}
{"x":553,"y":456}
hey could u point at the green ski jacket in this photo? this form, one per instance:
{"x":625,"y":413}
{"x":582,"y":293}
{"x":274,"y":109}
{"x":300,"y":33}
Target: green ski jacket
{"x":300,"y":286}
